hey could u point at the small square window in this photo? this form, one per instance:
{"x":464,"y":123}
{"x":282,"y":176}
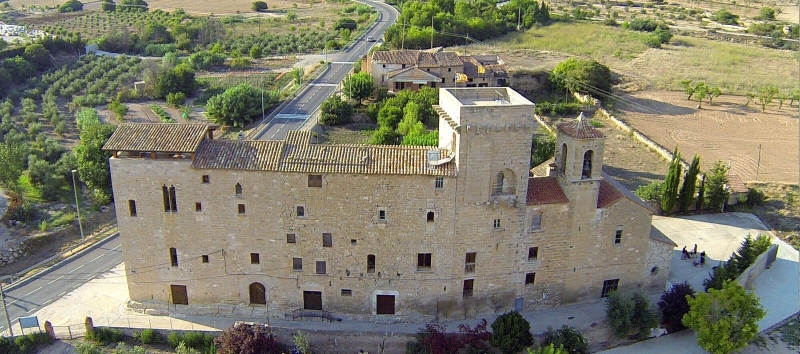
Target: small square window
{"x":353,"y":241}
{"x":206,"y":179}
{"x":423,"y":261}
{"x":496,"y":223}
{"x":204,"y":258}
{"x":321,"y":267}
{"x":533,"y":253}
{"x":315,"y":181}
{"x":291,"y":238}
{"x":327,"y":239}
{"x":297,"y":264}
{"x":198,"y":207}
{"x":347,"y":292}
{"x":241,"y":209}
{"x":449,"y":69}
{"x":382,"y":215}
{"x":301,"y":211}
{"x":609,"y":286}
{"x":439,"y":185}
{"x":536,"y":221}
{"x":132,"y":207}
{"x":618,"y":237}
{"x":530,"y":278}
{"x":255,"y":258}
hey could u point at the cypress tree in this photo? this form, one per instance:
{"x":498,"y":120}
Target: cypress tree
{"x":669,"y":192}
{"x":686,"y":195}
{"x":701,"y":193}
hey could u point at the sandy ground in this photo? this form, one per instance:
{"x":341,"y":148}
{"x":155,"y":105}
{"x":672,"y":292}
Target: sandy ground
{"x":725,"y":131}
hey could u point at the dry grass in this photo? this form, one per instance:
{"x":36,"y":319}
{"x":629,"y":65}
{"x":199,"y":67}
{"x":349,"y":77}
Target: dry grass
{"x":781,"y":210}
{"x":735,"y":68}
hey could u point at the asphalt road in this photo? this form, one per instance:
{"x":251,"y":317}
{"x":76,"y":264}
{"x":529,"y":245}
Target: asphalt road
{"x":28,"y":296}
{"x":296,"y":112}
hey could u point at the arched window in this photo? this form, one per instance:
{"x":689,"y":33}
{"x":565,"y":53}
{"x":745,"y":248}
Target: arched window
{"x":506,"y":183}
{"x":431,"y":215}
{"x":238,"y":190}
{"x":371,"y":263}
{"x":562,"y":166}
{"x":258,"y":294}
{"x":587,"y":164}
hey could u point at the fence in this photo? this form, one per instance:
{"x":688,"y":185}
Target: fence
{"x":70,"y":331}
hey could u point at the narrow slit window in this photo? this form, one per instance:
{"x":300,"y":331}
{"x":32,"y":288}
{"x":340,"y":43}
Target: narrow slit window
{"x":165,"y":195}
{"x":430,"y":216}
{"x":327,"y":239}
{"x":173,"y":256}
{"x":301,"y":211}
{"x":618,"y":237}
{"x":371,"y":263}
{"x":238,"y":190}
{"x":173,"y":199}
{"x":132,"y":207}
{"x":198,"y":207}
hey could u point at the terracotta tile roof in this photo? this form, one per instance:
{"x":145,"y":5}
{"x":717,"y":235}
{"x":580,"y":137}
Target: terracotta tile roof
{"x":607,"y":195}
{"x":412,"y":74}
{"x":158,"y":137}
{"x":580,"y":129}
{"x":297,"y":154}
{"x":252,"y":155}
{"x":417,"y":57}
{"x":545,"y":190}
{"x":736,"y":185}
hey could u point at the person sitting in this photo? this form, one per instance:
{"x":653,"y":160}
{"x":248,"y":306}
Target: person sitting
{"x":684,"y":253}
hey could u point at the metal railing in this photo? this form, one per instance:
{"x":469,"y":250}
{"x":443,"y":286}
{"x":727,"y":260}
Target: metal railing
{"x":469,"y":268}
{"x":309,"y":313}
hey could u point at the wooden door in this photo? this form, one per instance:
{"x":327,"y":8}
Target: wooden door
{"x":258,"y":294}
{"x":312,"y":300}
{"x":385,"y":305}
{"x":179,"y":295}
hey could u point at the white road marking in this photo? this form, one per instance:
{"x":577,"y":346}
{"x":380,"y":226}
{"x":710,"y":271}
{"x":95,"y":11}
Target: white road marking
{"x":115,"y":247}
{"x":54,"y":280}
{"x":96,"y":258}
{"x":328,"y":85}
{"x":77,"y":268}
{"x":35,"y":290}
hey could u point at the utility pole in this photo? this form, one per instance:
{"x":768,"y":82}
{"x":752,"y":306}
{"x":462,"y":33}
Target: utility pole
{"x":432,"y":32}
{"x":403,"y":37}
{"x":5,"y":310}
{"x":758,"y":164}
{"x":261,"y":87}
{"x":519,"y":16}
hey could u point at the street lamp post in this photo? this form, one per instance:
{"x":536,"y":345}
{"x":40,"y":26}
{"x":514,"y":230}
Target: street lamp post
{"x":262,"y":97}
{"x":77,"y":204}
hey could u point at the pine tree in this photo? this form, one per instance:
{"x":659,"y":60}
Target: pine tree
{"x":716,"y":193}
{"x":686,"y":195}
{"x":669,"y":192}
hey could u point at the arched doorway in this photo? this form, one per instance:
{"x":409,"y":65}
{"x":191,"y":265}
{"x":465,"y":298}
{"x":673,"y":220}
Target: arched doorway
{"x":258,"y":294}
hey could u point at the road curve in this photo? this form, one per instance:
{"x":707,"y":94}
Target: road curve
{"x":299,"y":109}
{"x":28,"y":296}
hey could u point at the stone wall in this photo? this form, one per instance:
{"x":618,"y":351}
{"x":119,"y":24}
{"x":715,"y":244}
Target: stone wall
{"x":762,"y":262}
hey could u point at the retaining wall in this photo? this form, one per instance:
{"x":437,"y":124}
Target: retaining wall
{"x":762,"y":262}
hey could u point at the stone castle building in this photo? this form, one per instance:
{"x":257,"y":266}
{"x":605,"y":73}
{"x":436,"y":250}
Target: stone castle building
{"x":379,"y":232}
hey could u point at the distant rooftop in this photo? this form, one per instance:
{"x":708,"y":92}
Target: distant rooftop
{"x":488,"y":96}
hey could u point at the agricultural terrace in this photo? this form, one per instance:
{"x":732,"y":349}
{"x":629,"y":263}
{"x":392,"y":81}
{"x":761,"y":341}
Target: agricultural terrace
{"x":293,"y":28}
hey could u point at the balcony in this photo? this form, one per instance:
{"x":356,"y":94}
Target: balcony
{"x":469,"y":268}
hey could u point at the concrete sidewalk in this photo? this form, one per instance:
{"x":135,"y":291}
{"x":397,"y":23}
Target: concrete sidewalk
{"x":719,"y":235}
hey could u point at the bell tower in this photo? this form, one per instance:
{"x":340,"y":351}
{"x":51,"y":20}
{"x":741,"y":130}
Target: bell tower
{"x":579,"y":160}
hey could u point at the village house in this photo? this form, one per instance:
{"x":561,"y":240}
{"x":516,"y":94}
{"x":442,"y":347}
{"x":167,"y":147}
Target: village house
{"x":387,"y":233}
{"x":413,"y":69}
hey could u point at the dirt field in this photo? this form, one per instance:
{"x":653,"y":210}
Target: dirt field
{"x":211,"y":7}
{"x":725,"y":131}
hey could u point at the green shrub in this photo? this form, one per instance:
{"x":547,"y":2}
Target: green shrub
{"x":162,"y":114}
{"x":511,"y":333}
{"x":8,"y":346}
{"x":176,"y":99}
{"x":754,"y":198}
{"x":149,"y":336}
{"x":335,"y":111}
{"x":650,"y":191}
{"x":653,"y":41}
{"x":174,"y":339}
{"x":88,"y":348}
{"x":567,"y":337}
{"x":619,"y":311}
{"x":105,"y":335}
{"x":674,"y":305}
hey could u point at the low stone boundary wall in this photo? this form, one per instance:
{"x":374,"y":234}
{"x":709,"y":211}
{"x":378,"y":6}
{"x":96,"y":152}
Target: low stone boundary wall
{"x":762,"y":262}
{"x":625,"y":127}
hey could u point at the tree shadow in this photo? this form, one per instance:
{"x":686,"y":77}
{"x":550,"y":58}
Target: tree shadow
{"x":649,"y":106}
{"x":631,"y":179}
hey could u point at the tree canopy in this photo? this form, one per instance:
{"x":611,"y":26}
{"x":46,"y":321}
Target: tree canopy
{"x":259,"y":6}
{"x":582,"y":75}
{"x":725,"y":320}
{"x":335,"y":111}
{"x":239,"y":105}
{"x":71,"y":6}
{"x":93,"y":161}
{"x":358,"y":86}
{"x":511,"y":333}
{"x":716,"y":192}
{"x":177,"y":79}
